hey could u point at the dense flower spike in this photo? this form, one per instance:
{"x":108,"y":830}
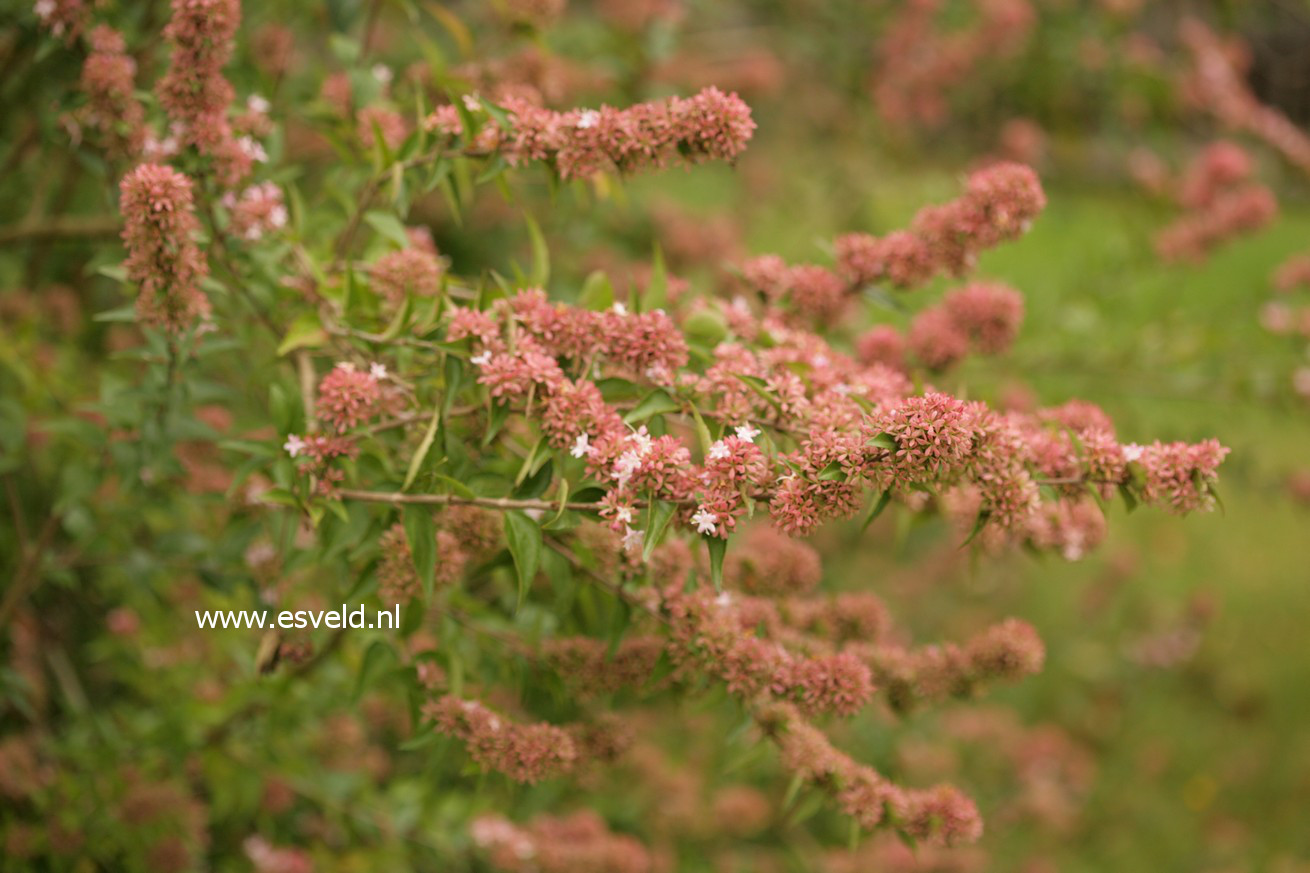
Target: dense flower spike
{"x":162,"y":255}
{"x":708,"y":126}
{"x":1215,"y":85}
{"x":1006,"y":652}
{"x":1220,"y":201}
{"x":408,"y":272}
{"x":939,"y":816}
{"x":523,"y":752}
{"x":194,"y":91}
{"x":108,"y":78}
{"x":999,"y":204}
{"x":919,"y":63}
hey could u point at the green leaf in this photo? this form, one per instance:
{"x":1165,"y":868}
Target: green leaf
{"x":705,"y":326}
{"x":702,"y":432}
{"x":833,"y":473}
{"x":1130,"y":499}
{"x":657,"y":525}
{"x":305,"y":332}
{"x":655,"y":403}
{"x":525,"y":543}
{"x":416,"y":462}
{"x":883,"y":440}
{"x":597,"y":292}
{"x":375,"y":660}
{"x":876,"y":509}
{"x":422,"y":536}
{"x":656,"y":295}
{"x":453,"y":369}
{"x":540,"y":273}
{"x":718,"y":548}
{"x":388,"y":226}
{"x":978,"y":524}
{"x":563,"y":501}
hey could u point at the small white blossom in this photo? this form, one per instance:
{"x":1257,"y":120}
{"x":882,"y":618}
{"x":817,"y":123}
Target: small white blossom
{"x":480,"y":360}
{"x":719,"y":451}
{"x":377,"y":370}
{"x":705,"y":521}
{"x":44,"y":9}
{"x":258,"y":104}
{"x":277,"y":216}
{"x":581,"y":446}
{"x":623,"y":515}
{"x":294,"y":445}
{"x":382,"y":73}
{"x":746,"y":433}
{"x":627,"y":464}
{"x":1133,"y":452}
{"x":588,"y":119}
{"x":620,"y":309}
{"x":253,"y":149}
{"x":724,"y":600}
{"x":641,"y":439}
{"x":632,"y":539}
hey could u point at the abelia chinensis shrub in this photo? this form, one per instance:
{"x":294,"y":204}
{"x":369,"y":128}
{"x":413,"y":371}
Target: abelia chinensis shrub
{"x":596,"y":503}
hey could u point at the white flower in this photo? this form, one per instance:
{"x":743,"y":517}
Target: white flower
{"x":627,"y":464}
{"x":1133,"y":452}
{"x":723,"y":600}
{"x":471,"y":103}
{"x":277,"y":216}
{"x":623,"y":515}
{"x":746,"y":433}
{"x":294,"y":445}
{"x":705,"y":521}
{"x":258,"y":104}
{"x":581,"y":446}
{"x":377,"y":370}
{"x":588,"y":119}
{"x":253,"y":150}
{"x":620,"y":309}
{"x":642,"y":439}
{"x":44,"y":9}
{"x":820,"y":361}
{"x":481,"y":360}
{"x":632,"y":539}
{"x":348,"y":366}
{"x":718,"y":451}
{"x":382,"y":73}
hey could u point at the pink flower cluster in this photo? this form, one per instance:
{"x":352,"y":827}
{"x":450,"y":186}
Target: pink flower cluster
{"x":413,"y":271}
{"x":582,"y":142}
{"x":999,"y":204}
{"x":1221,"y":203}
{"x":162,"y":255}
{"x":398,"y":580}
{"x":108,"y":79}
{"x":983,"y":317}
{"x":1006,"y":652}
{"x":1215,"y":85}
{"x":706,"y":633}
{"x":919,"y":63}
{"x":375,"y":120}
{"x":1178,"y":476}
{"x":592,"y":668}
{"x":523,"y":752}
{"x":568,"y":844}
{"x":258,"y":210}
{"x":939,"y":816}
{"x":347,"y":397}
